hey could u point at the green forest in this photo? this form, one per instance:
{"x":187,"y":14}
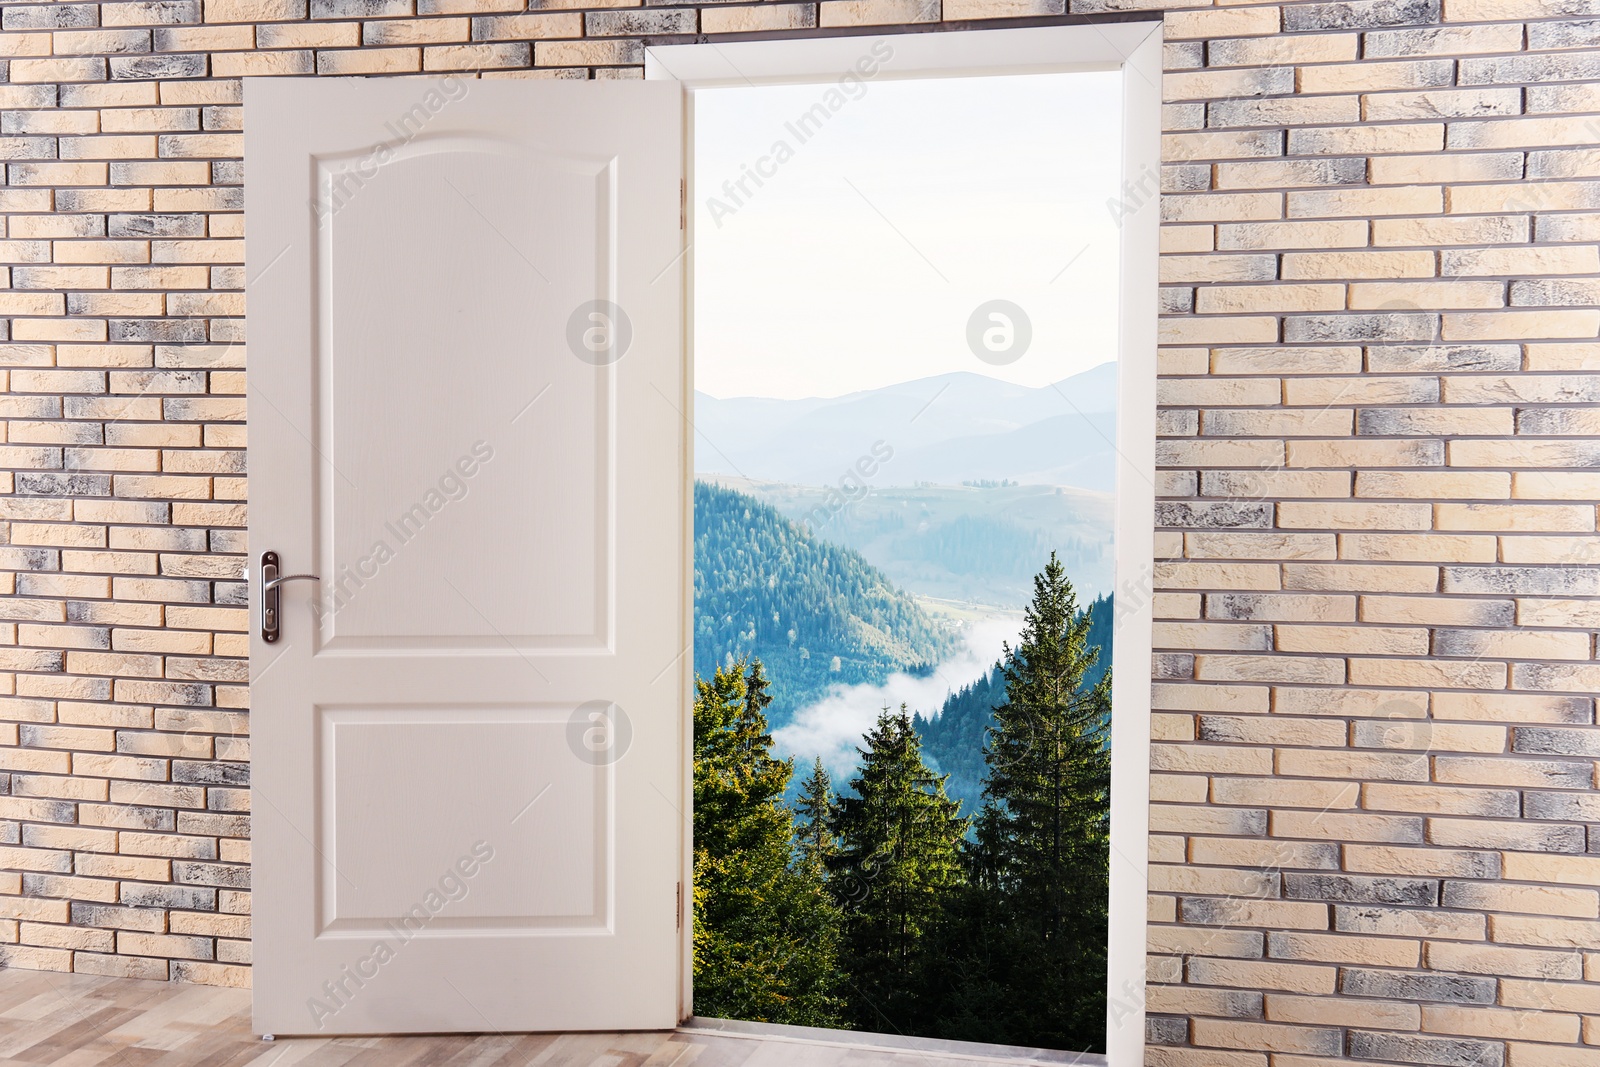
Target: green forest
{"x":879,"y":905}
{"x":813,"y":613}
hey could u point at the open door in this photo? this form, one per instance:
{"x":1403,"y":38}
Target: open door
{"x":466,"y":416}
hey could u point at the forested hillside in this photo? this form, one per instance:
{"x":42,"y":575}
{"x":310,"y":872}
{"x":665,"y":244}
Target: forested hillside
{"x":953,"y":739}
{"x":813,"y":613}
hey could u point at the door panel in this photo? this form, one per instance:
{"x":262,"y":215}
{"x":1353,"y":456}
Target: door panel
{"x":513,"y":242}
{"x":466,"y":381}
{"x":553,"y":873}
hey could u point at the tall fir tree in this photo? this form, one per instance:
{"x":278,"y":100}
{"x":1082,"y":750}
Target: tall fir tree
{"x":815,"y":845}
{"x":897,"y":864}
{"x":766,"y":933}
{"x":1041,"y":856}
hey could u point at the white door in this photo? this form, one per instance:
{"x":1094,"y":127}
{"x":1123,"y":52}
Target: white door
{"x":466,"y":397}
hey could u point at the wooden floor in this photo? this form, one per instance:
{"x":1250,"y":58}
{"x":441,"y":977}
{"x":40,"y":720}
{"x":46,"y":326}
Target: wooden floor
{"x":79,"y":1020}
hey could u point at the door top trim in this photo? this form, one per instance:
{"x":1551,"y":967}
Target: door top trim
{"x":987,"y":49}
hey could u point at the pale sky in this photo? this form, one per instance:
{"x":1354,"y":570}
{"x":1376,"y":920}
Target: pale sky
{"x":859,"y":262}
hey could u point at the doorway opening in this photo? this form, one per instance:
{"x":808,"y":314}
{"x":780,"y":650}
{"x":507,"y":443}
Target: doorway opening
{"x":911,"y":369}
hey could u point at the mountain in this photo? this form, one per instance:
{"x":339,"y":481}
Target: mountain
{"x":1071,"y":450}
{"x":816,"y":614}
{"x":947,"y":429}
{"x":953,"y":740}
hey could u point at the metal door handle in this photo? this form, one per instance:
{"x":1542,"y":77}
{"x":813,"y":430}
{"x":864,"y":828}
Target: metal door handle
{"x":271,"y":595}
{"x":274,"y":583}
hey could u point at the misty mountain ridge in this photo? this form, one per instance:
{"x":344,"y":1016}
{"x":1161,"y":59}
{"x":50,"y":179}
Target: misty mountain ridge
{"x":945,"y":429}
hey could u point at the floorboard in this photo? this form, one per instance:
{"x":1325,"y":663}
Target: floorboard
{"x":81,"y":1020}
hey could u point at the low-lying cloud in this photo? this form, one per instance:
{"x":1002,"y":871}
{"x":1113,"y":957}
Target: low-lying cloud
{"x":832,"y":727}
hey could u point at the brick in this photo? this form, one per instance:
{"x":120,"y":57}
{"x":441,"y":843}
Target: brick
{"x":1413,"y":548}
{"x":1416,"y":892}
{"x":356,"y":9}
{"x":1551,"y":676}
{"x":168,"y":945}
{"x":1415,"y":985}
{"x":1350,"y":639}
{"x":263,"y":64}
{"x":1212,"y":1002}
{"x":1354,"y":516}
{"x":1503,"y":324}
{"x":1579,"y":807}
{"x":1275,"y":607}
{"x":370,"y":61}
{"x":1555,"y":741}
{"x":1282,"y":731}
{"x":1190,"y":879}
{"x":1489,"y":1023}
{"x":158,"y":67}
{"x":1216,"y":1033}
{"x":254,"y":10}
{"x":1259,"y":974}
{"x":1513,"y":962}
{"x":1343,"y":948}
{"x":1459,"y":1052}
{"x":216,"y":974}
{"x":1543,"y":930}
{"x":120,"y":966}
{"x":1389,"y":796}
{"x":1269,"y":669}
{"x":780,"y":16}
{"x":1329,"y":1011}
{"x":1361,"y":578}
{"x":1238,"y":545}
{"x":35,"y":959}
{"x":1529,"y":1055}
{"x":1336,"y":826}
{"x":1408,"y":922}
{"x":1527,"y":836}
{"x":1546,"y":867}
{"x":1549,"y":996}
{"x":1282,"y":793}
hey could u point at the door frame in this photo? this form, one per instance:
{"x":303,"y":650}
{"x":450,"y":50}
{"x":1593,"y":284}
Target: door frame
{"x":1134,"y":49}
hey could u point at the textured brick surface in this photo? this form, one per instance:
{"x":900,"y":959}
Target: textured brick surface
{"x":1376,"y":596}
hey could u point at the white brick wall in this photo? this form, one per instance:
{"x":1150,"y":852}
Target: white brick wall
{"x":1376,"y":593}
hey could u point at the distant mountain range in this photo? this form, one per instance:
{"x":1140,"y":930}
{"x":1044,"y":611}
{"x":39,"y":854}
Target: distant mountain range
{"x":947,"y":429}
{"x":972,"y":544}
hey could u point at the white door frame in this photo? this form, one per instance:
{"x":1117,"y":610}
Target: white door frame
{"x":1134,"y":48}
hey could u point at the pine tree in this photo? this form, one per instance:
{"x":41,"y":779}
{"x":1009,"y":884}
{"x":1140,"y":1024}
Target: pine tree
{"x":766,"y":934}
{"x":897,"y":865}
{"x":815,"y":845}
{"x":1042,"y":850}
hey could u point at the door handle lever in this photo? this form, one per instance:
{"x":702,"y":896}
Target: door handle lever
{"x":274,"y":583}
{"x":271,"y":595}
